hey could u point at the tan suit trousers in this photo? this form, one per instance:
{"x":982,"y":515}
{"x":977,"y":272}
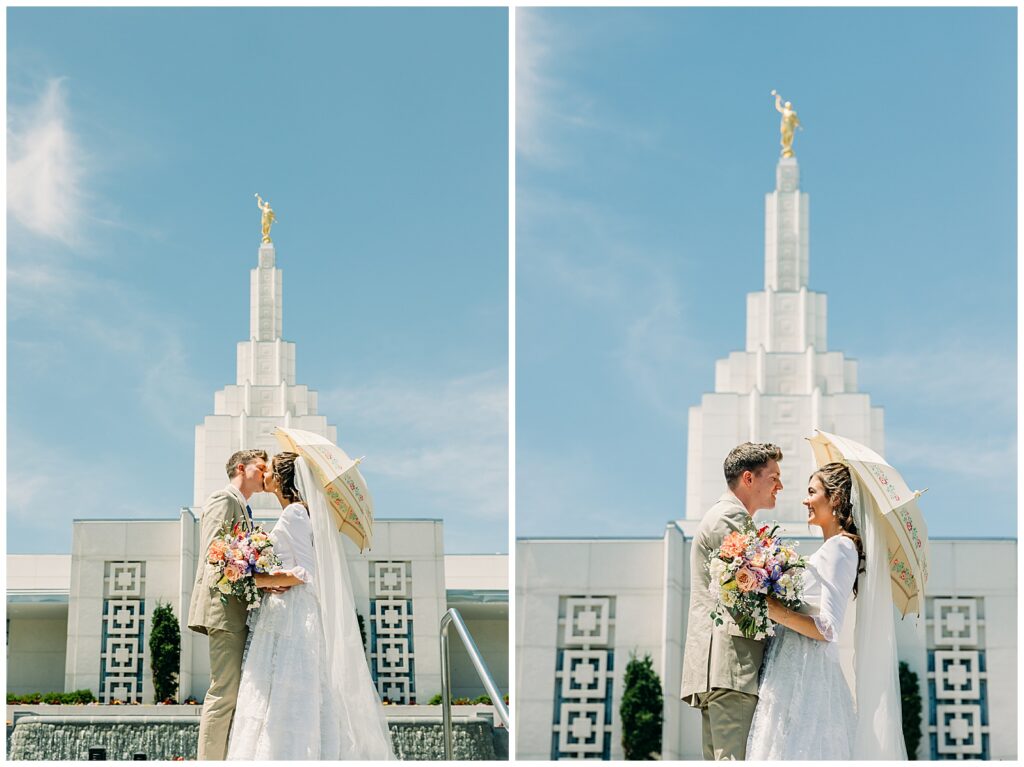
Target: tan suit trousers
{"x":725,"y":718}
{"x":226,"y":648}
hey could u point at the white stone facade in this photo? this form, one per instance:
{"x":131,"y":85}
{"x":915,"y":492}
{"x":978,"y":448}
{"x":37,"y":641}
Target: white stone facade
{"x":83,"y":622}
{"x":632,"y":596}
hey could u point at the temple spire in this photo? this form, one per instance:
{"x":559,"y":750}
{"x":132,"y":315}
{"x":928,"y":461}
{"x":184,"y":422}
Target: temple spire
{"x":265,"y":297}
{"x":786,"y":316}
{"x":264,"y":395}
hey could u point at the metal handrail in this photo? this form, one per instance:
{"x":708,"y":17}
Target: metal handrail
{"x":452,"y":617}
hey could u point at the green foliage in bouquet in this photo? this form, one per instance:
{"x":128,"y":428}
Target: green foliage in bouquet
{"x":164,"y":653}
{"x":910,"y":697}
{"x":641,"y":711}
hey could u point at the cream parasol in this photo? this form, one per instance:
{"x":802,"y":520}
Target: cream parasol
{"x":906,"y":532}
{"x":340,"y":478}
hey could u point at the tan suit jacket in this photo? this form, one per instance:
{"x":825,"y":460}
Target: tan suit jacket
{"x":716,"y":656}
{"x":206,"y":610}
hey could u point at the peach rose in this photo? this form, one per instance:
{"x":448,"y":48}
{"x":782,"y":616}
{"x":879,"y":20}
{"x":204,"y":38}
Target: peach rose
{"x":218,"y":550}
{"x":734,"y":544}
{"x":746,"y":579}
{"x":233,"y":572}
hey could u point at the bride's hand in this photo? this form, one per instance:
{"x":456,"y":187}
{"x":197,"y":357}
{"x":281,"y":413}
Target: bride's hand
{"x":270,"y":582}
{"x":776,"y":610}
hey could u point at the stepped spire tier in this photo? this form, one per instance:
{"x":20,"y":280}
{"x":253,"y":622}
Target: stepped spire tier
{"x":264,"y":394}
{"x":786,"y":382}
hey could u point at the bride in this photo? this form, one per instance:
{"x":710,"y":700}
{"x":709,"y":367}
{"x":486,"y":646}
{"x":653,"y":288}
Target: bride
{"x":805,"y":708}
{"x":306,"y":691}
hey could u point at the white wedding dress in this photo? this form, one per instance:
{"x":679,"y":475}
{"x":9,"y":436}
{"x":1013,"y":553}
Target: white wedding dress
{"x":805,"y":709}
{"x":305,"y":692}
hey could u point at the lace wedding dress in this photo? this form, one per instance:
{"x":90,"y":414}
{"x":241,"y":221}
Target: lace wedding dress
{"x":805,"y":708}
{"x":288,"y":707}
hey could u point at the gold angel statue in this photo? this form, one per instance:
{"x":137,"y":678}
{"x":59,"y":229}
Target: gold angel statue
{"x":790,"y":122}
{"x":267,"y":219}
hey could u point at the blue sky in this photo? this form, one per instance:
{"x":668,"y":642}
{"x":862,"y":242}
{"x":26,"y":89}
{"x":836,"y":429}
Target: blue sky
{"x":646,"y":140}
{"x":136,"y":141}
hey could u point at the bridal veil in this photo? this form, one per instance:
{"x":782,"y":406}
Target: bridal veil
{"x":364,"y":729}
{"x":879,"y":732}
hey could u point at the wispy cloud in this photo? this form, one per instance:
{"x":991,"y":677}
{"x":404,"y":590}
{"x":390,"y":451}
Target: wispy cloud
{"x":79,"y":318}
{"x":657,"y":352}
{"x":590,"y":257}
{"x":955,"y":373}
{"x":986,"y":458}
{"x":447,"y":438}
{"x":42,"y":478}
{"x":951,"y":408}
{"x":550,"y":108}
{"x":536,"y":91}
{"x":46,"y":168}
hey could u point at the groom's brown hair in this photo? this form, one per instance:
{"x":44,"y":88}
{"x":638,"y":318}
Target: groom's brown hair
{"x":750,"y":456}
{"x":244,"y":457}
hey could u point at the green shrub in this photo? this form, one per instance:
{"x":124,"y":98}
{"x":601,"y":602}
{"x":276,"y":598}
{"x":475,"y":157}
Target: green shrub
{"x":164,"y":653}
{"x":77,"y":697}
{"x":910,"y":698}
{"x":362,"y":628}
{"x":641,"y":710}
{"x":480,"y":700}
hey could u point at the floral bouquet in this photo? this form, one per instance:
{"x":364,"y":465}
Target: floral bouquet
{"x":238,"y":555}
{"x":745,"y":569}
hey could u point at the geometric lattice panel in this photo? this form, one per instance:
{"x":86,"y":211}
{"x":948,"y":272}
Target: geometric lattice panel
{"x":585,"y":674}
{"x":586,"y":621}
{"x":957,"y":679}
{"x":584,"y":668}
{"x":122,"y":640}
{"x":955,"y":622}
{"x":582,"y":729}
{"x":959,"y":730}
{"x":957,"y":674}
{"x":392,"y":657}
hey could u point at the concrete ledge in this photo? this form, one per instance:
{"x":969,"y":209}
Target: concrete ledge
{"x":93,"y":711}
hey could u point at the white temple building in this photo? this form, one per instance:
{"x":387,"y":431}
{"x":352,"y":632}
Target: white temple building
{"x":583,"y":605}
{"x":80,"y":620}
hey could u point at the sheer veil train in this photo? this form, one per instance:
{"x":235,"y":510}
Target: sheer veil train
{"x":879,"y":732}
{"x":364,"y":729}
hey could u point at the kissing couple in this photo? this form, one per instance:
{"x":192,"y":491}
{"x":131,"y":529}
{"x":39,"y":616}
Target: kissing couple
{"x":294,"y":683}
{"x":791,"y":700}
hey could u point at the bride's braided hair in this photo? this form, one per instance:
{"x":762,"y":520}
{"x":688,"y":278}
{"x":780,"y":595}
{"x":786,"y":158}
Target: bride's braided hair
{"x":283,"y":467}
{"x":838,"y":484}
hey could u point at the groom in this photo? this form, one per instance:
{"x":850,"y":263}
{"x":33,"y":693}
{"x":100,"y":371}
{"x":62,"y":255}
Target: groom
{"x":720,"y":666}
{"x":223,"y":623}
